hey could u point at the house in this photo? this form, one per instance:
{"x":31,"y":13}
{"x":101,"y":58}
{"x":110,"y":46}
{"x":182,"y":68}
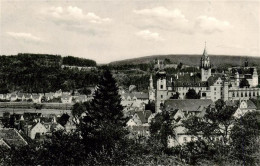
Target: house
{"x":20,"y":96}
{"x":80,"y":98}
{"x":134,"y":98}
{"x":10,"y":137}
{"x":66,"y":99}
{"x":13,"y":97}
{"x":26,"y":97}
{"x":244,"y":106}
{"x":49,"y":96}
{"x":58,"y":93}
{"x":70,"y":126}
{"x":139,"y":118}
{"x":37,"y":129}
{"x":37,"y":98}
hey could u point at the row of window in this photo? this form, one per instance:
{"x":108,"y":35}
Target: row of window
{"x":244,"y":94}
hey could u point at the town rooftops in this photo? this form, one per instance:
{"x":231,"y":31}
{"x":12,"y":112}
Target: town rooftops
{"x":187,"y":104}
{"x":12,"y":137}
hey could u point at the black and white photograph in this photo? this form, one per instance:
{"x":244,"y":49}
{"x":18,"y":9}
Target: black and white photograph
{"x":129,"y":83}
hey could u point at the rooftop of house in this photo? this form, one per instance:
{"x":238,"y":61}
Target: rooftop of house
{"x":187,"y":104}
{"x":250,"y":104}
{"x":12,"y":137}
{"x":138,"y":95}
{"x":144,"y":115}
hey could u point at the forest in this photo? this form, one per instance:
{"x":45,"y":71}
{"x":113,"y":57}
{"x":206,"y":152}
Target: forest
{"x":38,"y":73}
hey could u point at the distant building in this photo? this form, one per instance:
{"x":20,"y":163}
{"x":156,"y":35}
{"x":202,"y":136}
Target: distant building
{"x":208,"y":85}
{"x":66,"y":98}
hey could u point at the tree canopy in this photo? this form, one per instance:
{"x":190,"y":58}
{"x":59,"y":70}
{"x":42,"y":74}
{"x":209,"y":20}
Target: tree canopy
{"x":191,"y":94}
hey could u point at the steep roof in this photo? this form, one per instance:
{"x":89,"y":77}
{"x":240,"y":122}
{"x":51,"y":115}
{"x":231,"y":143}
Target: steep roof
{"x":12,"y":137}
{"x":144,"y":115}
{"x":251,"y":105}
{"x":187,"y":104}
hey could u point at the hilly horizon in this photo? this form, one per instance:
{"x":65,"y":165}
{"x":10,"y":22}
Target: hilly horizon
{"x":194,"y":59}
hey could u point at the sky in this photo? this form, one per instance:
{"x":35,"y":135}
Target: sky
{"x":111,"y":30}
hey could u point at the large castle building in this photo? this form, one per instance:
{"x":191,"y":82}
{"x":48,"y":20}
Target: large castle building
{"x":208,"y":85}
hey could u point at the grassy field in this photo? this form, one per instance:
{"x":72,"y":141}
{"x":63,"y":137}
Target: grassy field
{"x":43,"y":111}
{"x":61,"y":106}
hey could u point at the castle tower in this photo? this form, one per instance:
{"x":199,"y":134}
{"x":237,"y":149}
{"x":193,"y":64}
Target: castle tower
{"x":161,"y":90}
{"x":237,"y":79}
{"x":225,"y":90}
{"x":151,"y":89}
{"x":205,"y":66}
{"x":151,"y":82}
{"x":255,"y":78}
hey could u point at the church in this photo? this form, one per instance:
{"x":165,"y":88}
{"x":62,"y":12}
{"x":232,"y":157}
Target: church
{"x":208,"y":85}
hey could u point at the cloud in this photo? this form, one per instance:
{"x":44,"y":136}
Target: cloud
{"x":24,"y":36}
{"x":161,"y":12}
{"x":175,"y":20}
{"x":210,"y":24}
{"x":73,"y":14}
{"x":148,"y":35}
{"x":163,"y":18}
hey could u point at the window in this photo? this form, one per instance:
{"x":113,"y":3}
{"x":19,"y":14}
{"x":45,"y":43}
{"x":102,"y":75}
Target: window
{"x":192,"y":138}
{"x":204,"y":94}
{"x":215,"y":88}
{"x":162,"y":96}
{"x":161,"y":86}
{"x":242,"y":95}
{"x":214,"y":93}
{"x":184,"y":139}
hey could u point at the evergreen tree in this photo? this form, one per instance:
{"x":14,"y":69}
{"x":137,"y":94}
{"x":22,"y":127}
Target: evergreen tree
{"x":244,"y":83}
{"x":103,"y":126}
{"x":107,"y":101}
{"x":191,"y":94}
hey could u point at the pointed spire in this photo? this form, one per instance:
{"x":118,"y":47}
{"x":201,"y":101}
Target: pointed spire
{"x":205,"y":50}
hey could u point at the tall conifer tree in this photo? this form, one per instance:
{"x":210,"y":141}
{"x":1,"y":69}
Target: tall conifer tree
{"x":107,"y":102}
{"x":103,"y":125}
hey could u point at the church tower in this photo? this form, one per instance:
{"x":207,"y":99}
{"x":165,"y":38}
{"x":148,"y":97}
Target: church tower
{"x":161,"y":90}
{"x":205,"y":66}
{"x":151,"y":89}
